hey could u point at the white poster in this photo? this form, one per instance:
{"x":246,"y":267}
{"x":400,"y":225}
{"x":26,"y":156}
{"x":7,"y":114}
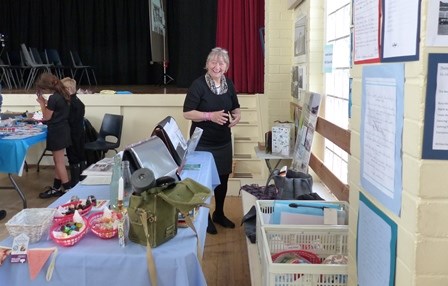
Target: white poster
{"x":440,"y":133}
{"x":381,"y":133}
{"x":401,"y":29}
{"x":437,"y":23}
{"x":158,"y":17}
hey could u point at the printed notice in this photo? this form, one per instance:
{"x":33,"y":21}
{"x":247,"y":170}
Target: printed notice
{"x":379,"y":133}
{"x":401,"y":26}
{"x":376,"y":232}
{"x":440,"y":133}
{"x":366,"y":29}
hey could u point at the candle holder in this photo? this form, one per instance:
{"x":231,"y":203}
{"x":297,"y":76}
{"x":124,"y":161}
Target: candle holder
{"x":123,"y":224}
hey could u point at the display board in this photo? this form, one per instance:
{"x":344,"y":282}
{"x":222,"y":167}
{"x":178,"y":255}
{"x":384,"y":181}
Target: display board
{"x":157,"y":29}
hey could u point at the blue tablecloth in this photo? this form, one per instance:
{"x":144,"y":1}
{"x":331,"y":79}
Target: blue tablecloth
{"x":13,"y":152}
{"x":93,"y":261}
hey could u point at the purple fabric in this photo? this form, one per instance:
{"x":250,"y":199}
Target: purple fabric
{"x":261,"y":192}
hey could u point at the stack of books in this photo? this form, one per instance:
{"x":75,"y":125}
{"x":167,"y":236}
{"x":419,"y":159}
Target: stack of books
{"x":99,"y":173}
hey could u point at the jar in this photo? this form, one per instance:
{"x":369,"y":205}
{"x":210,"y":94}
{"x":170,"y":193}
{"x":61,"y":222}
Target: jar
{"x":127,"y":185}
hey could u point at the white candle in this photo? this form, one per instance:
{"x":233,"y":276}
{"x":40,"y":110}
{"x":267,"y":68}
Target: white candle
{"x":120,"y":189}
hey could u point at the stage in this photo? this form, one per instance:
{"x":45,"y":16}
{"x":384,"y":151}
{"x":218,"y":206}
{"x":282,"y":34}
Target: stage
{"x":135,"y":89}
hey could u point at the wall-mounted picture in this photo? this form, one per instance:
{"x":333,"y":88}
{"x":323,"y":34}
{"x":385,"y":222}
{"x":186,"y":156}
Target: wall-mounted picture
{"x":300,"y":37}
{"x":301,"y":70}
{"x":295,"y":82}
{"x":298,"y":80}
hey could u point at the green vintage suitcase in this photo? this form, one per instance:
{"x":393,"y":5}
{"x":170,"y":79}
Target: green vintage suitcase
{"x":157,"y":205}
{"x":161,"y":218}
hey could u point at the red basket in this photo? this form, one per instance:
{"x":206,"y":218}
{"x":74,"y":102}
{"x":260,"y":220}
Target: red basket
{"x":303,"y":256}
{"x":307,"y":255}
{"x":83,"y":212}
{"x":102,"y":233}
{"x":71,"y":240}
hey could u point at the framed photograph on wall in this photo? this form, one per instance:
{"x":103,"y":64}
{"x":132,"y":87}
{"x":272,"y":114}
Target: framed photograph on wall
{"x":301,"y":70}
{"x":298,"y":81}
{"x":300,"y":37}
{"x":295,"y":82}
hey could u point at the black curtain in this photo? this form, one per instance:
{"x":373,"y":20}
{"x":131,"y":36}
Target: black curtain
{"x":191,"y":36}
{"x":113,"y":35}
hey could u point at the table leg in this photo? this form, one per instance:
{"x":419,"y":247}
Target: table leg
{"x":15,"y":187}
{"x":268,"y":164}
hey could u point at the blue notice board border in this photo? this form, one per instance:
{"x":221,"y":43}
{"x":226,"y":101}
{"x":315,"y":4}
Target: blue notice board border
{"x":428,"y":131}
{"x":392,"y":247}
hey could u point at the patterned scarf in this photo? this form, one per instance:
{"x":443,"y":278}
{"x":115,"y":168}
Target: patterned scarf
{"x":211,"y":84}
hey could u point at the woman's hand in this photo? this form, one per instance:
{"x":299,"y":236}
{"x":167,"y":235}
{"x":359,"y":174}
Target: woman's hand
{"x":236,"y":117}
{"x":40,"y":98}
{"x":219,"y":117}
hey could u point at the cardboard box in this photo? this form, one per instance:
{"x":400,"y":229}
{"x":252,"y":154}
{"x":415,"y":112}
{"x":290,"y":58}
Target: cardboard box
{"x":282,"y":138}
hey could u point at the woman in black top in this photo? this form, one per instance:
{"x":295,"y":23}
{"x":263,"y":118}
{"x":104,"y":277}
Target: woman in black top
{"x":75,"y":152}
{"x":55,"y":113}
{"x":212,"y":104}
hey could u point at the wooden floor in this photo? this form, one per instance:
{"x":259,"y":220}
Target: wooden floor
{"x":225,"y":256}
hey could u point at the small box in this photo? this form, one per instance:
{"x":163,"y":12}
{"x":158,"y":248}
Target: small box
{"x":282,"y":138}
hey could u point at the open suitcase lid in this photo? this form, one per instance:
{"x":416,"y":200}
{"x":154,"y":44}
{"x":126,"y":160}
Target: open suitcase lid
{"x":169,"y":132}
{"x":152,"y":154}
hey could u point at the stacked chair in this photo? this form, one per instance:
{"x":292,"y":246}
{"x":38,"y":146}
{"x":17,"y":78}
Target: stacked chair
{"x":84,"y":69}
{"x":35,"y":68}
{"x":20,"y":69}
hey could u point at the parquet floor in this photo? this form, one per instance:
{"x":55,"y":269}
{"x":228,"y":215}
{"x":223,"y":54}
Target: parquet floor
{"x":225,"y":255}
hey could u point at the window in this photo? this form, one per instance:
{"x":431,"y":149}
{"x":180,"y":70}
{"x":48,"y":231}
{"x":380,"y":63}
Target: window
{"x":337,"y":34}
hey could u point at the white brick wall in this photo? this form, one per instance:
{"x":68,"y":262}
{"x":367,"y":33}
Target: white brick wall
{"x":422,"y":232}
{"x":422,"y":227}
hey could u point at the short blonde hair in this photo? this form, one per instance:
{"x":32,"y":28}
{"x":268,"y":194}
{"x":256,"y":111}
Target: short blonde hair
{"x":218,"y":53}
{"x":70,"y":84}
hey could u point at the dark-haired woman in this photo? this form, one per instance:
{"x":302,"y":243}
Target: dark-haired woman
{"x":55,"y":113}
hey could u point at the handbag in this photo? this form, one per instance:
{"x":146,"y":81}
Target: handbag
{"x":292,"y":184}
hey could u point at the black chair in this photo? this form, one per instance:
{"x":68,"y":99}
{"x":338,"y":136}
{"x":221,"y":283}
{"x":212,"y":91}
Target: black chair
{"x":85,"y":69}
{"x":15,"y":61}
{"x":53,"y":57}
{"x":35,"y":67}
{"x":46,"y":152}
{"x":7,"y":75}
{"x":109,"y":136}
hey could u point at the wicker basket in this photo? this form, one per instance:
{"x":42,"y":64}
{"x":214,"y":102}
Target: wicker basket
{"x":83,"y":212}
{"x":70,"y":240}
{"x":102,"y":233}
{"x":34,"y":222}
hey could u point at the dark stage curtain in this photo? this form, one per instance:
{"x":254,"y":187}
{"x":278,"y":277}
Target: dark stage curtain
{"x":238,"y":31}
{"x":111,"y":35}
{"x":191,"y":36}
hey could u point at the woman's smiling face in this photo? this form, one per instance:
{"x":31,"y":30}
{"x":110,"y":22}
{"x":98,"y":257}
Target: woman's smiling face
{"x":216,"y":67}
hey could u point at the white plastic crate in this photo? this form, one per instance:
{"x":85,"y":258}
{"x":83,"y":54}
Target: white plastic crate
{"x":265,"y":209}
{"x":321,"y":240}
